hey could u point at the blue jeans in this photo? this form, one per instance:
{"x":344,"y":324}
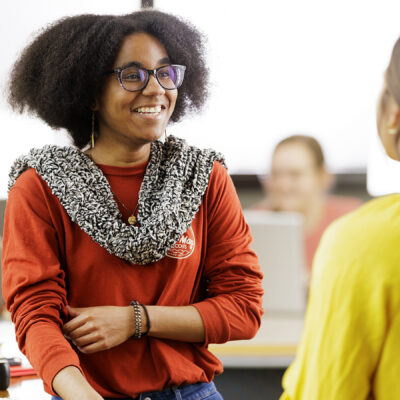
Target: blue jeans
{"x":197,"y":391}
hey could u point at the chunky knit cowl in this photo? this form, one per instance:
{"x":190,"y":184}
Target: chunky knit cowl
{"x":175,"y":181}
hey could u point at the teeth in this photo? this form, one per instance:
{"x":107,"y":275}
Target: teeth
{"x":154,"y":110}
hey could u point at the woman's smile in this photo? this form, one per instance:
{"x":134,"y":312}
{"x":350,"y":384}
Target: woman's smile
{"x":149,"y":112}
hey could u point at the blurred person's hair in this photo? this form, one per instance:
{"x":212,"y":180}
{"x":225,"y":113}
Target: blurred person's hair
{"x":310,"y":143}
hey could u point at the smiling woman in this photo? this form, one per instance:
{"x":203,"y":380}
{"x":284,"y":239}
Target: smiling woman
{"x":126,"y":255}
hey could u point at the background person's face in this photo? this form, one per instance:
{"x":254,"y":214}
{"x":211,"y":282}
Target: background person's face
{"x":294,"y":180}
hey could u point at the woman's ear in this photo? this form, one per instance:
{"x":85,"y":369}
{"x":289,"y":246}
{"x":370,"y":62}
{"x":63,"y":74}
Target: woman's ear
{"x":389,"y":129}
{"x":393,"y":127}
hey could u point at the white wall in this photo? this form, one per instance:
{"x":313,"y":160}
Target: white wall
{"x":316,"y":67}
{"x":313,"y":66}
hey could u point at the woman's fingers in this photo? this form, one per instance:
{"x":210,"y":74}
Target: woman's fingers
{"x":99,"y":328}
{"x":93,"y":348}
{"x":90,"y":338}
{"x":75,"y":311}
{"x":92,"y":342}
{"x":82,"y":330}
{"x":75,"y":323}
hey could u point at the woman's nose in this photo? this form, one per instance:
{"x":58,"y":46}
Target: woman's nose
{"x":285,"y":184}
{"x":153,"y":87}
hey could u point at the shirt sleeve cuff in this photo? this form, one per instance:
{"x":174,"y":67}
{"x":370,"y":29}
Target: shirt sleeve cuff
{"x":216,"y":324}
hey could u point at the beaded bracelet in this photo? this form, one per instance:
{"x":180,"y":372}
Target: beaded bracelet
{"x":138,"y":319}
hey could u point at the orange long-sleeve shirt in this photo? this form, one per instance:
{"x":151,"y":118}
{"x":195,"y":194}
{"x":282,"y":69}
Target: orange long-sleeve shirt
{"x":49,"y":262}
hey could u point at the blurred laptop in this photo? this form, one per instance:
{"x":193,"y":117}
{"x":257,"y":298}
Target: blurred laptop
{"x":278,"y":242}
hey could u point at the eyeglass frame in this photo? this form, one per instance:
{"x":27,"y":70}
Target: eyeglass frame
{"x":150,"y":72}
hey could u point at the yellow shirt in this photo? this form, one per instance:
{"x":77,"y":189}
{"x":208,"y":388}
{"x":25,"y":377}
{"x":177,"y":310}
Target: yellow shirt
{"x":350,"y":348}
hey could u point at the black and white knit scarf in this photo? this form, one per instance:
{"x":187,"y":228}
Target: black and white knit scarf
{"x":175,"y":181}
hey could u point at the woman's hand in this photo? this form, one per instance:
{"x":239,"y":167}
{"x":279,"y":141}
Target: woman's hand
{"x":93,"y":329}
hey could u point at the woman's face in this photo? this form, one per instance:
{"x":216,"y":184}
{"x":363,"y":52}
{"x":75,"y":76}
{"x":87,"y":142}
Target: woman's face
{"x":387,"y":118}
{"x":136,"y":118}
{"x":294,"y":180}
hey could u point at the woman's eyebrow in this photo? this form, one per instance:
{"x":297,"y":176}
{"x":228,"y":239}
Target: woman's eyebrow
{"x":131,"y":64}
{"x":164,"y":60}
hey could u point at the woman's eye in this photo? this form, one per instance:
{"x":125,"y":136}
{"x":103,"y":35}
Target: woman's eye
{"x":133,"y":74}
{"x":131,"y":77}
{"x":163,"y":74}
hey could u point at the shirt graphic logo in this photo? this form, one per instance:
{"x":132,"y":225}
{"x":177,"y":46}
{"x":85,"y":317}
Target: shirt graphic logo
{"x":184,"y":247}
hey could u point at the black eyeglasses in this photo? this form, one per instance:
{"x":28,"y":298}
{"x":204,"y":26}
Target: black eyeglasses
{"x":134,"y":78}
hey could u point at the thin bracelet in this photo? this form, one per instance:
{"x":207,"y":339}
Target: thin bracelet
{"x":148,"y":320}
{"x":138,"y":319}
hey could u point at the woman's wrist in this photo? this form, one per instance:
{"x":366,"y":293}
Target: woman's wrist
{"x":183,"y":323}
{"x":70,"y":384}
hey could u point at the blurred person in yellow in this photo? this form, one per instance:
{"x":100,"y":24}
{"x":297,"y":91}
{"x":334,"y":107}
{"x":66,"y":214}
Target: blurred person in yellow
{"x":350,"y":348}
{"x":299,"y":181}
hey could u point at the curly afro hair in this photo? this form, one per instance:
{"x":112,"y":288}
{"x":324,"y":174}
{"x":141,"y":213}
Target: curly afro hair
{"x":60,"y":74}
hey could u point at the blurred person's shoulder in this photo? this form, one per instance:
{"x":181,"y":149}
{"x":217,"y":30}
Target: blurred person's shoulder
{"x":363,"y":241}
{"x":339,"y":205}
{"x":262,"y":205}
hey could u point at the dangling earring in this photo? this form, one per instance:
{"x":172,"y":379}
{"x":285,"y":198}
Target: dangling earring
{"x":165,"y":134}
{"x":92,"y":134}
{"x":393,"y":129}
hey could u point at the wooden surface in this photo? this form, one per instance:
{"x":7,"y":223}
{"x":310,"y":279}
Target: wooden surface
{"x":25,"y":388}
{"x":274,"y":346}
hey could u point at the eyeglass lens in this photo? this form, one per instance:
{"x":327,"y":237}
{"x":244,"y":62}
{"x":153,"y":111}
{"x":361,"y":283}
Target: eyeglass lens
{"x":169,"y":77}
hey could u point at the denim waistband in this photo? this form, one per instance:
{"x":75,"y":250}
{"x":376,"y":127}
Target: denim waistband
{"x":196,"y":391}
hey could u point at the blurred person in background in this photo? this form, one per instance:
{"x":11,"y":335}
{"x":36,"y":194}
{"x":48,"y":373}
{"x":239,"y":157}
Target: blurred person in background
{"x":350,"y":344}
{"x":299,"y":182}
